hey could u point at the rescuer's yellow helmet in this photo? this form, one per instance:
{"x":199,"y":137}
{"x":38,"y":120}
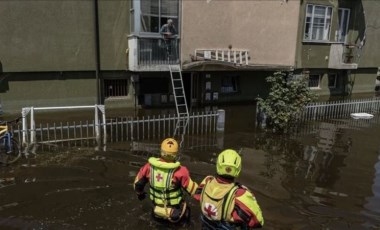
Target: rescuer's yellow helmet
{"x":228,"y":163}
{"x":169,"y":149}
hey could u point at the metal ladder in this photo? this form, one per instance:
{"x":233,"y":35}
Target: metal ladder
{"x":180,"y":101}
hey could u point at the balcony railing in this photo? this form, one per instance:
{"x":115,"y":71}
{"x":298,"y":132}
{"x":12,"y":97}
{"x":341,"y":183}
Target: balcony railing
{"x":240,"y":57}
{"x":152,"y":53}
{"x":342,"y":56}
{"x":349,"y":54}
{"x":157,"y":51}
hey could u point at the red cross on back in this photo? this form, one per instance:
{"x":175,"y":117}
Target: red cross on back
{"x":210,"y":210}
{"x":159,"y":177}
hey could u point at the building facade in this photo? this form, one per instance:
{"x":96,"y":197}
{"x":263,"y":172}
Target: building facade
{"x":337,"y":44}
{"x":226,"y":50}
{"x":86,"y":52}
{"x":62,"y":53}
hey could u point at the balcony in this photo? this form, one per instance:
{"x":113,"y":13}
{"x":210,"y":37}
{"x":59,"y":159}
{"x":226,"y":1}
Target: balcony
{"x":342,"y":56}
{"x":150,"y":54}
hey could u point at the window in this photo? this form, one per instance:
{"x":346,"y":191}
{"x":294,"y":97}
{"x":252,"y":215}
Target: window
{"x":115,"y":88}
{"x":155,"y":13}
{"x":343,"y":18}
{"x":318,"y":23}
{"x":332,"y":81}
{"x":229,"y":84}
{"x":132,"y":21}
{"x":314,"y":80}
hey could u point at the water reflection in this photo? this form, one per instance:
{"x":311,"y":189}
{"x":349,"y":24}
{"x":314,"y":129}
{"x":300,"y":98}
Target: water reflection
{"x":326,"y":171}
{"x":372,"y":205}
{"x":324,"y":176}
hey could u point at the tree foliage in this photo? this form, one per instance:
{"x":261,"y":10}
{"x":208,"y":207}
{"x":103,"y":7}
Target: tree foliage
{"x":287,"y":97}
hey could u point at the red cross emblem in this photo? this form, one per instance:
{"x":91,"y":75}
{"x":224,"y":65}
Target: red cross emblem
{"x":159,"y":177}
{"x":210,"y":210}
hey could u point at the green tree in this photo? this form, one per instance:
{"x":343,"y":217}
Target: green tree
{"x":287,"y":97}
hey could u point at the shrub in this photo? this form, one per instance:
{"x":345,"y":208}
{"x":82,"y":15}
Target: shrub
{"x":288,"y":95}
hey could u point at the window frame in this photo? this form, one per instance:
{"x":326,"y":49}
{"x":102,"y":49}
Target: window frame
{"x":160,"y":15}
{"x":308,"y":36}
{"x":340,"y":24}
{"x":132,"y":17}
{"x":319,"y":81}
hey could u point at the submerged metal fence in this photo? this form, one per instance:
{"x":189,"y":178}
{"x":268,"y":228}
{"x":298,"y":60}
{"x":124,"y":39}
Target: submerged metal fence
{"x":116,"y":129}
{"x":160,"y":126}
{"x":337,"y":109}
{"x":29,"y":135}
{"x":312,"y":127}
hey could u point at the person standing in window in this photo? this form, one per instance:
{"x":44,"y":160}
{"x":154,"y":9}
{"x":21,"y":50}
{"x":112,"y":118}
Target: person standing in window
{"x":168,"y":32}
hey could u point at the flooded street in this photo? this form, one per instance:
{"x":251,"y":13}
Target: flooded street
{"x":324,"y":176}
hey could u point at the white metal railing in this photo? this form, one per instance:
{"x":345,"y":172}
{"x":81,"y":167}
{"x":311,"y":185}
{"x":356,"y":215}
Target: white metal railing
{"x":114,"y":129}
{"x":336,"y":109}
{"x":32,"y":130}
{"x":160,"y":126}
{"x":152,"y":54}
{"x":225,"y":55}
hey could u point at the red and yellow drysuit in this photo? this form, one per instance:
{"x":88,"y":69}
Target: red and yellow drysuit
{"x":167,"y":180}
{"x":226,"y":204}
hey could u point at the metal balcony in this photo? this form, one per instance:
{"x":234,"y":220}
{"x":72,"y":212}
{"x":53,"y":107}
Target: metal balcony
{"x":152,"y":54}
{"x":342,"y":56}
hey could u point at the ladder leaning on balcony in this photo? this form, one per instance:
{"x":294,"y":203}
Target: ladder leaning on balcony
{"x":180,"y":101}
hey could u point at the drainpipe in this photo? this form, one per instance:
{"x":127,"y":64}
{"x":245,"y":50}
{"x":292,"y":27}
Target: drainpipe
{"x":97,"y":52}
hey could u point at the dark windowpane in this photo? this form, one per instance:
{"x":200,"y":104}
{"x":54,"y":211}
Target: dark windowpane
{"x":332,"y":80}
{"x":149,"y":24}
{"x":314,"y":81}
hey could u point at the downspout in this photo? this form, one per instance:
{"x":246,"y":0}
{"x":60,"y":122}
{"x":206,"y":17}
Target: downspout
{"x":97,"y":52}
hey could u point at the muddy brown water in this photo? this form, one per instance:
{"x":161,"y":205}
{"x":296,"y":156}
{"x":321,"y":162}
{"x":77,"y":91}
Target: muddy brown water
{"x":324,"y":176}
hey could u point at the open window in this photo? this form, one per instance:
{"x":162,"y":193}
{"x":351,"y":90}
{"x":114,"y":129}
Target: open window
{"x":343,"y":20}
{"x":317,"y":23}
{"x":155,"y":13}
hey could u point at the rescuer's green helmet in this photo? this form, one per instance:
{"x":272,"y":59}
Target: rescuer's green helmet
{"x":229,"y":163}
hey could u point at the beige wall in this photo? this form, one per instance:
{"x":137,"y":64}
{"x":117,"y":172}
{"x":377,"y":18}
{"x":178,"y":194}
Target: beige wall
{"x":268,"y":29}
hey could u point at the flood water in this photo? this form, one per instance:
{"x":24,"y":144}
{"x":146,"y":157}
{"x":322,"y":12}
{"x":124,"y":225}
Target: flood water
{"x":324,"y":176}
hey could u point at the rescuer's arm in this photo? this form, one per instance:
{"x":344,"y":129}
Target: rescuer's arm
{"x":141,"y":180}
{"x":186,"y":182}
{"x":247,"y":210}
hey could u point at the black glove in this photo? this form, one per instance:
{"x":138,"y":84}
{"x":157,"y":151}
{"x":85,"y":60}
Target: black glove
{"x":141,"y":196}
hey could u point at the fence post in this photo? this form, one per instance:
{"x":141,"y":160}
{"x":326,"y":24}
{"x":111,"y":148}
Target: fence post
{"x":104,"y":124}
{"x":97,"y":131}
{"x":24,"y":113}
{"x":32,"y":126}
{"x":221,"y":120}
